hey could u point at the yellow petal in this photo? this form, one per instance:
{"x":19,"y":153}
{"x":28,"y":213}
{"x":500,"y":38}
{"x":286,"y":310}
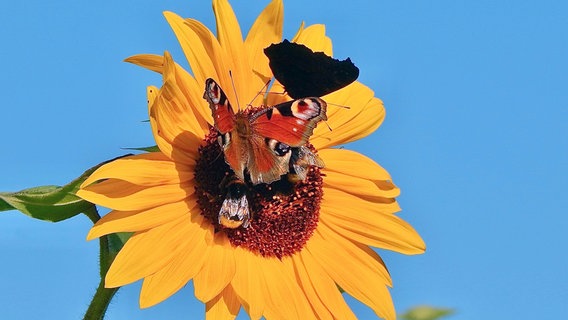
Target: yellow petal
{"x":299,"y":32}
{"x":148,"y":169}
{"x":174,"y":120}
{"x":352,"y":269}
{"x":249,"y":283}
{"x":267,"y":29}
{"x":364,"y":116}
{"x":217,"y":271}
{"x":180,"y":145}
{"x":125,"y":196}
{"x":314,"y":38}
{"x":148,"y":251}
{"x":152,"y":93}
{"x":354,"y":164}
{"x":193,"y":91}
{"x":369,"y":223}
{"x":181,"y":106}
{"x":366,"y":189}
{"x":201,"y":64}
{"x":231,"y":40}
{"x":165,"y":144}
{"x":188,"y":260}
{"x":319,"y":309}
{"x":228,"y":29}
{"x":152,"y":62}
{"x":354,"y":173}
{"x":138,"y":220}
{"x":159,"y":110}
{"x":266,"y":287}
{"x":287,"y":300}
{"x":221,"y":61}
{"x":322,"y":289}
{"x":224,"y":306}
{"x":358,"y":253}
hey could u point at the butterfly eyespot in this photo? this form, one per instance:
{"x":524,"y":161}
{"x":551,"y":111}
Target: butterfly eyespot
{"x":279,"y":148}
{"x":212,"y":94}
{"x":306,"y":109}
{"x":214,"y":98}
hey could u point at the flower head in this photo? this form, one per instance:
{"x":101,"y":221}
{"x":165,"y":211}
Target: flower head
{"x":304,"y":238}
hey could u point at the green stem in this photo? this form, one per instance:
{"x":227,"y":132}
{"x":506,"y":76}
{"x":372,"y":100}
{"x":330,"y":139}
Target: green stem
{"x":103,"y":296}
{"x":104,"y":253}
{"x":100,"y":302}
{"x":93,"y":214}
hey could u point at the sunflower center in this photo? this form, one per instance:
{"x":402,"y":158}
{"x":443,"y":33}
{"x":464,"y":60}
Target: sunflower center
{"x":284,"y":214}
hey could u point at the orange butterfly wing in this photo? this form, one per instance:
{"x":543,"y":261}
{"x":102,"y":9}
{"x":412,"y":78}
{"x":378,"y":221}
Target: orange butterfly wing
{"x":291,"y":122}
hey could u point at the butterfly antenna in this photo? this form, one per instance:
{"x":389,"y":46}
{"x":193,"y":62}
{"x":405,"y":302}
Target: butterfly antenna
{"x":339,"y":105}
{"x":261,"y":91}
{"x":234,"y":89}
{"x":279,"y":93}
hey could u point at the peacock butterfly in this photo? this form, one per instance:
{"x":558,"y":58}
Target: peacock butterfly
{"x":305,"y":73}
{"x":258,"y":146}
{"x":262,"y":145}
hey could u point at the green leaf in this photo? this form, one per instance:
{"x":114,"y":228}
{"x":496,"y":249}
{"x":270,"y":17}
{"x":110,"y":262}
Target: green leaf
{"x":49,"y":203}
{"x":5,"y":206}
{"x":426,"y":313}
{"x":145,"y":149}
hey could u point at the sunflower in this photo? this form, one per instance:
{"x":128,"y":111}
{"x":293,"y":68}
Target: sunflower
{"x":301,"y":246}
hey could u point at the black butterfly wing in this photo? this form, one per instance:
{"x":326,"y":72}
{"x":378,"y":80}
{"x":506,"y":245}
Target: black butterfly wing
{"x":305,"y":73}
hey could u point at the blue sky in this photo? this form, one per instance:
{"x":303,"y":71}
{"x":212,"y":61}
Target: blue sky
{"x":475,"y":136}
